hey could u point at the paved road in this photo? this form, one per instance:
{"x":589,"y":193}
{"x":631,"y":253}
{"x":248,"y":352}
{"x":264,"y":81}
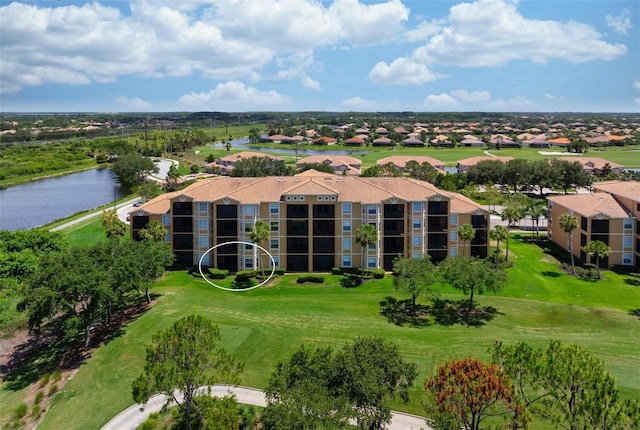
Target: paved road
{"x":123,"y":209}
{"x":132,"y":417}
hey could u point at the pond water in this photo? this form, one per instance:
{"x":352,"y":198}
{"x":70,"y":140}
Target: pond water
{"x":37,"y":203}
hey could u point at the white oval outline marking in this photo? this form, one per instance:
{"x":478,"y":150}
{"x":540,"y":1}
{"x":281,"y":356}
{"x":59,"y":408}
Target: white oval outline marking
{"x":239,"y":242}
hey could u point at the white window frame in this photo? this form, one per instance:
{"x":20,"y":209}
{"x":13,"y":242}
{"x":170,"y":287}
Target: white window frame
{"x":416,"y":240}
{"x":453,"y":219}
{"x":346,"y":226}
{"x":346,"y":244}
{"x":372,"y":262}
{"x":346,"y":261}
{"x":274,"y":208}
{"x":275,"y":242}
{"x":417,"y":223}
{"x":346,"y":209}
{"x":201,"y":205}
{"x":419,"y":206}
{"x":204,"y":221}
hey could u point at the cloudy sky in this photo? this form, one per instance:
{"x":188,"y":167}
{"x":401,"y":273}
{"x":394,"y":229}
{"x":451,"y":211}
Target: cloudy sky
{"x":340,"y":55}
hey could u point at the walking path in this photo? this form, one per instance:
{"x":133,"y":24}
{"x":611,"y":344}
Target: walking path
{"x":135,"y":415}
{"x":123,"y":209}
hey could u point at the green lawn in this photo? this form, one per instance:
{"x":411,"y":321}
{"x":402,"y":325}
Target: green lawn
{"x":266,"y":324}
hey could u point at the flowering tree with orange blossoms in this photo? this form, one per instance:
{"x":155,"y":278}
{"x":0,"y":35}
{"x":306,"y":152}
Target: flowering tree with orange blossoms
{"x":469,"y":391}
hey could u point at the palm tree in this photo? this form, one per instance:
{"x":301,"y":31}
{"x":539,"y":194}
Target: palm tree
{"x":227,"y":145}
{"x":466,"y":232}
{"x":535,"y":209}
{"x":366,"y":236}
{"x":113,"y":226}
{"x":597,"y":248}
{"x":499,"y":234}
{"x":511,"y":215}
{"x":259,"y":233}
{"x":153,"y":232}
{"x":173,"y":174}
{"x":568,"y":223}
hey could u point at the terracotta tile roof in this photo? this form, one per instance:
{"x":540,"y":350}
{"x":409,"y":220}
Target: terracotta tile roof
{"x":591,"y":205}
{"x":329,"y":159}
{"x":625,"y":189}
{"x":560,"y":141}
{"x":592,"y":163}
{"x":233,"y":158}
{"x":400,"y":161}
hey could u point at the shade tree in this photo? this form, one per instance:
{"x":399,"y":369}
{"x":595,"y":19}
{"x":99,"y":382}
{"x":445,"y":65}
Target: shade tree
{"x":472,"y":275}
{"x":414,"y":276}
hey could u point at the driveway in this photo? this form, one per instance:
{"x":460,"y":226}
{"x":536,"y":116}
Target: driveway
{"x":135,"y":415}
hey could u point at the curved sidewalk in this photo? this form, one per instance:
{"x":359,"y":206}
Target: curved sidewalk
{"x":135,"y":415}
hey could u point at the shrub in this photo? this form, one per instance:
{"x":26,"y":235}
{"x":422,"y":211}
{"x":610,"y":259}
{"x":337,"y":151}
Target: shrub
{"x":57,"y":375}
{"x":245,"y":275}
{"x":39,"y":397}
{"x":215,"y":273}
{"x":314,"y":279}
{"x":279,"y":271}
{"x":52,"y":390}
{"x":20,"y":411}
{"x":36,"y":411}
{"x":376,"y":273}
{"x":45,"y":379}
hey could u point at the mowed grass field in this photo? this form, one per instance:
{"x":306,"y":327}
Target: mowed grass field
{"x":265,"y":325}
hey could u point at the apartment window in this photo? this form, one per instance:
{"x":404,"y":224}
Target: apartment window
{"x":453,"y":235}
{"x":346,"y":226}
{"x":628,"y":223}
{"x":276,"y":260}
{"x":372,"y":209}
{"x":453,"y":219}
{"x":346,"y":209}
{"x":417,"y":206}
{"x":204,"y":240}
{"x":247,"y":227}
{"x":167,"y":237}
{"x":627,"y":241}
{"x":417,"y":223}
{"x":203,"y":223}
{"x":346,"y":244}
{"x":453,"y":251}
{"x":248,"y":247}
{"x":371,"y":262}
{"x":626,"y":259}
{"x":583,"y":240}
{"x":416,"y":255}
{"x":203,"y":206}
{"x":583,"y":223}
{"x":275,"y":244}
{"x":274,"y":208}
{"x":248,"y":263}
{"x":416,"y":240}
{"x":166,"y":220}
{"x":227,"y":211}
{"x":275,"y":226}
{"x":550,"y":204}
{"x":346,"y":261}
{"x":249,"y":210}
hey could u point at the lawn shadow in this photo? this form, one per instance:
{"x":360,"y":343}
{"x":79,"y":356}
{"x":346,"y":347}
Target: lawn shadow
{"x":449,"y":312}
{"x":49,"y":349}
{"x":635,"y":312}
{"x":550,"y":274}
{"x":401,"y":312}
{"x":632,"y":282}
{"x":351,"y":281}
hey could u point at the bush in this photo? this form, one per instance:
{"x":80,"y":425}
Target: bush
{"x":52,"y":390}
{"x":314,"y":279}
{"x":245,"y":275}
{"x":57,"y":375}
{"x":45,"y":379}
{"x":36,"y":411}
{"x":279,"y":271}
{"x":215,"y":273}
{"x":21,"y":410}
{"x":39,"y":397}
{"x":376,"y":273}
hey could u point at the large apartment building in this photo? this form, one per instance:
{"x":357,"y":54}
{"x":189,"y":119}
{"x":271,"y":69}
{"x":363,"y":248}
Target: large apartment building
{"x":609,"y":214}
{"x":313,"y":219}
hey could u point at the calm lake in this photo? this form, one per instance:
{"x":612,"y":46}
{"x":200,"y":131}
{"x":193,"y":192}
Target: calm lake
{"x":37,"y":203}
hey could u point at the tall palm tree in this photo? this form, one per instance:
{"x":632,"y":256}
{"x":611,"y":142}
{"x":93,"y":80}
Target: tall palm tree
{"x":114,"y":228}
{"x":466,"y":233}
{"x":499,"y":234}
{"x":597,"y":248}
{"x":535,"y":209}
{"x":511,"y":215}
{"x":173,"y":174}
{"x":153,"y":232}
{"x":366,"y":236}
{"x":259,"y":234}
{"x":227,"y":145}
{"x":568,"y":223}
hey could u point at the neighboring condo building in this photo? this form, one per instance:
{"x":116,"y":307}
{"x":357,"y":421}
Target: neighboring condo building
{"x":313,"y":219}
{"x":609,"y":214}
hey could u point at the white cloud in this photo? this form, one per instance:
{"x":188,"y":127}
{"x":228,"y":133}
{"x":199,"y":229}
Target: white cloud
{"x":135,"y":103}
{"x":359,"y":104}
{"x":636,"y":84}
{"x":621,"y":23}
{"x":440,"y":101}
{"x":471,"y":97}
{"x":233,"y":96}
{"x":423,"y":30}
{"x":221,"y":39}
{"x":402,"y":71}
{"x":307,"y":82}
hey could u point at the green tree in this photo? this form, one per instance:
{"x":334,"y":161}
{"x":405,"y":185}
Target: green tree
{"x":414,"y":276}
{"x":471,"y":275}
{"x":569,"y":174}
{"x":152,"y":232}
{"x":499,"y":234}
{"x":261,"y":166}
{"x":320,"y":167}
{"x":114,"y":228}
{"x":373,"y":374}
{"x":132,"y":168}
{"x":517,"y":173}
{"x":149,"y":190}
{"x":566,"y":386}
{"x":173,"y":174}
{"x":492,"y":195}
{"x":259,"y":234}
{"x":466,"y":233}
{"x":185,"y":357}
{"x":254,"y":136}
{"x":366,"y":236}
{"x":303,"y":392}
{"x":421,"y":171}
{"x":598,"y":249}
{"x":536,"y":208}
{"x":511,"y":215}
{"x":487,"y":172}
{"x":468,"y":391}
{"x":568,"y":223}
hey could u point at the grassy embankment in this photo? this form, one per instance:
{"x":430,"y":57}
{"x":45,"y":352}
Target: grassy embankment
{"x":263,"y":326}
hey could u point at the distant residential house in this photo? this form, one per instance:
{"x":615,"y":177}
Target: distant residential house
{"x":382,"y":141}
{"x":294,"y":139}
{"x":464,"y":165}
{"x":355,"y":141}
{"x":400,"y":161}
{"x":325,"y":140}
{"x":400,"y":130}
{"x":382,"y":131}
{"x":595,"y":165}
{"x":559,"y":141}
{"x":341,"y":164}
{"x":276,"y":138}
{"x":412,"y":141}
{"x":472,"y":142}
{"x":441,"y":140}
{"x":536,"y":143}
{"x":226,"y":164}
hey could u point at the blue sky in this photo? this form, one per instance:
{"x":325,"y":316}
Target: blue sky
{"x":341,"y":55}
